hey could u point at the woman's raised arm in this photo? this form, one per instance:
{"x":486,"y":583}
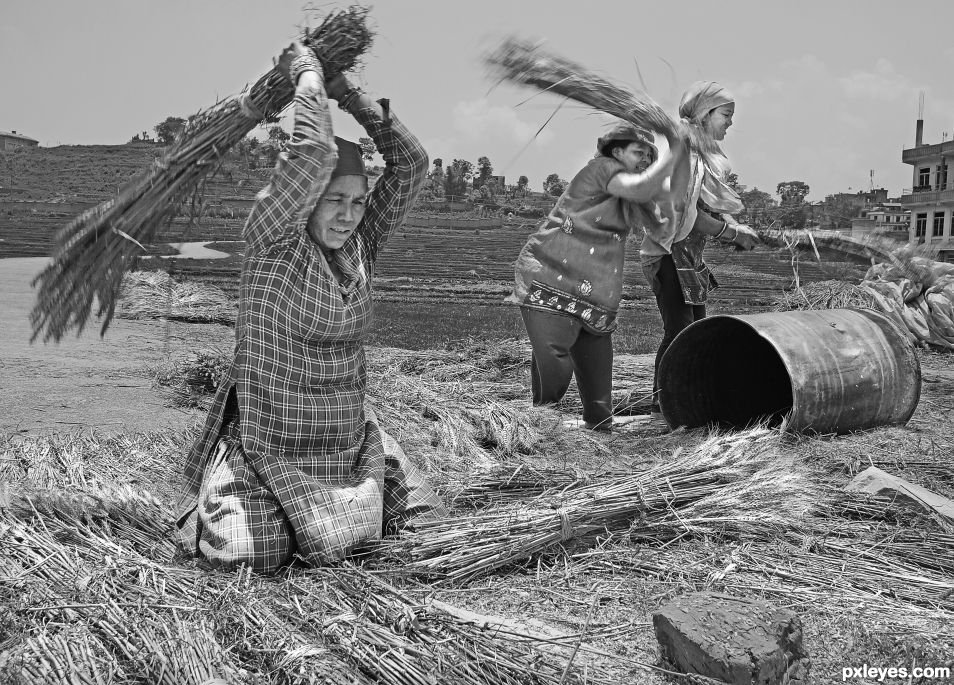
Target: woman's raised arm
{"x":405,"y":164}
{"x":303,"y":169}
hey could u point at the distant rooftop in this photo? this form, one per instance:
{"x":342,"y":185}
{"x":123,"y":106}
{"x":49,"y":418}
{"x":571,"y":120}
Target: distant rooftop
{"x":14,"y":134}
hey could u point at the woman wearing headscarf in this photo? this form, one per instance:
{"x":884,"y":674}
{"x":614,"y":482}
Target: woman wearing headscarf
{"x":702,"y":206}
{"x":569,"y":275}
{"x":291,"y":459}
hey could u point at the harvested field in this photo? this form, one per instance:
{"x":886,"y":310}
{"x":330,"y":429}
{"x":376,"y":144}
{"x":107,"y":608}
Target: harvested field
{"x":97,"y":582}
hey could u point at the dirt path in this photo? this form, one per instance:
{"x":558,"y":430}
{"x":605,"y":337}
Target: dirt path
{"x":103,"y":383}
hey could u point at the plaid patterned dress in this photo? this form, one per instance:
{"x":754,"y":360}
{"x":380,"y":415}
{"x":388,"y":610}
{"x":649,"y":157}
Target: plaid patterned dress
{"x":291,"y":460}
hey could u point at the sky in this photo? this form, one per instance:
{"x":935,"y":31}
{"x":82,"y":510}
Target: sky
{"x":826,"y":90}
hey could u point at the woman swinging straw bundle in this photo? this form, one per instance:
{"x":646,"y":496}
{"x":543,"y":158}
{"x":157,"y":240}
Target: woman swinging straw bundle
{"x":94,"y":251}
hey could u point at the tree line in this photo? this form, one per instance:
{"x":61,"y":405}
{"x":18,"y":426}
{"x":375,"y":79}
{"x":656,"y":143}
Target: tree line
{"x":464,"y":179}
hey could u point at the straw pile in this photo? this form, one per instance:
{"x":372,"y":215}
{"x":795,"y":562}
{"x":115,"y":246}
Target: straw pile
{"x":194,"y":380}
{"x":97,"y":593}
{"x":155,"y":295}
{"x":826,"y":295}
{"x":94,"y":251}
{"x":729,"y":485}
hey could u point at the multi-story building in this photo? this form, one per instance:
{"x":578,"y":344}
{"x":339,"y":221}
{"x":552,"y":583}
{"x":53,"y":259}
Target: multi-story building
{"x":930,"y":199}
{"x":13,"y":140}
{"x":887,"y":219}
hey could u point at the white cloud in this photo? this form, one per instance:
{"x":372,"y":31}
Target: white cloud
{"x":881,"y":83}
{"x":476,"y":120}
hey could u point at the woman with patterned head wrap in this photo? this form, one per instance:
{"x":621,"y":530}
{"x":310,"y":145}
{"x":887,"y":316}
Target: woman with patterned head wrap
{"x":569,"y":275}
{"x":672,"y":251}
{"x":291,"y":459}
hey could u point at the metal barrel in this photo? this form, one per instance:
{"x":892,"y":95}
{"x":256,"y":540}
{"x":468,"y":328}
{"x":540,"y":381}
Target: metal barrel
{"x":827,"y":371}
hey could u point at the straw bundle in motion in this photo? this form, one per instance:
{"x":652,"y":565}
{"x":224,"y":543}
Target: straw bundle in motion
{"x":522,"y":62}
{"x":732,"y":483}
{"x":97,"y":247}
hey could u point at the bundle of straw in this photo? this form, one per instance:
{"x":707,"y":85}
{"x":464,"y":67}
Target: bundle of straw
{"x":734,"y":484}
{"x":520,"y":61}
{"x":97,"y":247}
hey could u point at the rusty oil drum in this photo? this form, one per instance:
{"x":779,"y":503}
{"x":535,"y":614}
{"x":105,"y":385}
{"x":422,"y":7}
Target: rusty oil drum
{"x":827,"y":371}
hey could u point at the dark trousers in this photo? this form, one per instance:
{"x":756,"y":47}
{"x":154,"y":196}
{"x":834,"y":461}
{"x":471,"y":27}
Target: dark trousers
{"x":676,"y":314}
{"x":562,"y":347}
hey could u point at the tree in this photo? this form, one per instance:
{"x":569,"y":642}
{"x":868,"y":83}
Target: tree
{"x":554,"y":185}
{"x":484,"y":171}
{"x":368,"y":149}
{"x":793,"y":216}
{"x":522,"y":183}
{"x":456,"y":176}
{"x":759,"y":207}
{"x":839,"y":209}
{"x":278,"y":136}
{"x":792,"y":192}
{"x":732,"y":180}
{"x":167,"y":131}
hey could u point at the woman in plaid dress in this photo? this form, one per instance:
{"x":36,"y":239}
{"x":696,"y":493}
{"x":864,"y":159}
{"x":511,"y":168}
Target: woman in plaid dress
{"x":291,"y":459}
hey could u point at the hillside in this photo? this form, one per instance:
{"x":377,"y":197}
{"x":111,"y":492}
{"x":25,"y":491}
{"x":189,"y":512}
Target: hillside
{"x":41,"y":189}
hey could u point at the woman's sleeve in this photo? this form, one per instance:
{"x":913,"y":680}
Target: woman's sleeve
{"x":301,"y":174}
{"x":405,"y":168}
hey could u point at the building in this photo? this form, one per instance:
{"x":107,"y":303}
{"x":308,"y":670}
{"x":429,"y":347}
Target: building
{"x":13,"y":140}
{"x":889,"y":219}
{"x":930,"y":199}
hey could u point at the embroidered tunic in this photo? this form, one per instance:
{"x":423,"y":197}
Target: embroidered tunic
{"x":298,"y":380}
{"x":573,"y":265}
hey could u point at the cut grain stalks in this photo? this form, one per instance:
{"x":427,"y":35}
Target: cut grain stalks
{"x":737,"y":485}
{"x":172,"y":624}
{"x":94,"y":251}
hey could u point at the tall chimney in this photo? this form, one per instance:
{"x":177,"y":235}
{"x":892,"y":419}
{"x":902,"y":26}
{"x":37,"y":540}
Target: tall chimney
{"x":919,"y":133}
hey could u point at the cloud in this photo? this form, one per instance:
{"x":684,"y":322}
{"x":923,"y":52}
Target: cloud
{"x":881,"y":83}
{"x":476,"y":120}
{"x":829,"y":126}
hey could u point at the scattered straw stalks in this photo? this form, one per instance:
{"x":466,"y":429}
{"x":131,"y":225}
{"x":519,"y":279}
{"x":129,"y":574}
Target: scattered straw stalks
{"x":94,"y":250}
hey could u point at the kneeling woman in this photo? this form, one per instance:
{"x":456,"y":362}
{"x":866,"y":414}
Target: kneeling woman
{"x":291,"y":460}
{"x":569,"y":275}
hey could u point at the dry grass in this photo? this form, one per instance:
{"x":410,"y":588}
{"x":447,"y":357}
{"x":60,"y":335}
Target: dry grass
{"x":94,"y":583}
{"x":826,"y":295}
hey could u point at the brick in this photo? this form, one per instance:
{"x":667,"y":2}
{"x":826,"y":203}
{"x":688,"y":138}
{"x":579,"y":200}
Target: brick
{"x":733,"y":640}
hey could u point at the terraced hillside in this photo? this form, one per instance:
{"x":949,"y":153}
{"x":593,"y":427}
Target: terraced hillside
{"x":41,"y":189}
{"x":426,"y":264}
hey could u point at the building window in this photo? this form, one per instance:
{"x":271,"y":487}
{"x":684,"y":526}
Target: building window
{"x":938,"y":225}
{"x":920,"y":225}
{"x":941,"y":176}
{"x":924,"y":177}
